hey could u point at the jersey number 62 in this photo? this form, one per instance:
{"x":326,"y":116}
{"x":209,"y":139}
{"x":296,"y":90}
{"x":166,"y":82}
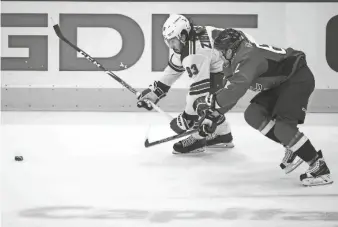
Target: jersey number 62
{"x":272,"y":49}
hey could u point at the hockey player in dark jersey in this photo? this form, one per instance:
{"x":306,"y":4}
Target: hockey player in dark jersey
{"x":284,"y":82}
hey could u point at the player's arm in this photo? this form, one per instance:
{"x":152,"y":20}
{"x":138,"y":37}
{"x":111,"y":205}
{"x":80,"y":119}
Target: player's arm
{"x":243,"y":74}
{"x":173,"y":71}
{"x":160,"y":88}
{"x":211,"y":107}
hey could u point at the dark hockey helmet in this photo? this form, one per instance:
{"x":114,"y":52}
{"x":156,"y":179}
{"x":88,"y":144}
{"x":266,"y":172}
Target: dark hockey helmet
{"x":228,"y":39}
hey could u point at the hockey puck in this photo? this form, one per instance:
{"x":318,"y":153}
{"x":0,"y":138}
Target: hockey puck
{"x":18,"y":158}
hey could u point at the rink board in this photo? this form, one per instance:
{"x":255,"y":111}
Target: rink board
{"x":108,"y":99}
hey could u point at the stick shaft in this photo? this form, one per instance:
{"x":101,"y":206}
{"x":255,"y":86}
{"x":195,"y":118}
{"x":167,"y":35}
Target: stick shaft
{"x":110,"y":73}
{"x":92,"y":60}
{"x":150,"y":144}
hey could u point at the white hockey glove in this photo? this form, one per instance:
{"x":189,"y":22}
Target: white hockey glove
{"x":154,"y":93}
{"x":183,"y":122}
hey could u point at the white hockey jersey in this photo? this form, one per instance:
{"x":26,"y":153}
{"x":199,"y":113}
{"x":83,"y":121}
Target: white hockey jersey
{"x":199,"y":59}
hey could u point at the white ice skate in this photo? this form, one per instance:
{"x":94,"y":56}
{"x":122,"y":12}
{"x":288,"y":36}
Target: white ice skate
{"x":222,"y":137}
{"x":290,"y":161}
{"x":317,"y":174}
{"x":215,"y":140}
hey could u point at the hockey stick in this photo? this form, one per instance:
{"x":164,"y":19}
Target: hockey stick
{"x":187,"y":133}
{"x":110,"y":73}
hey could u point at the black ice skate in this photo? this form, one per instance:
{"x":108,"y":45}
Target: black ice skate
{"x":317,"y":174}
{"x":215,"y":140}
{"x":290,"y":161}
{"x":189,"y":145}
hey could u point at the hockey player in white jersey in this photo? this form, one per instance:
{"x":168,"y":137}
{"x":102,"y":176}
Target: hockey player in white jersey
{"x":191,"y":50}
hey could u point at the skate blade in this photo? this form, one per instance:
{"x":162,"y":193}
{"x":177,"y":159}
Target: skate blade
{"x":292,"y":166}
{"x":322,"y":180}
{"x":196,"y":151}
{"x":221,"y":145}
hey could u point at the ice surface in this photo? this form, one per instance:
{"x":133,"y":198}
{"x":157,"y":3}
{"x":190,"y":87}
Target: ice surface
{"x":92,"y":170}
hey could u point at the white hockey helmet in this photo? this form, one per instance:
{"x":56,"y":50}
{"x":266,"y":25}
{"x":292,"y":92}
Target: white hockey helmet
{"x":174,"y":26}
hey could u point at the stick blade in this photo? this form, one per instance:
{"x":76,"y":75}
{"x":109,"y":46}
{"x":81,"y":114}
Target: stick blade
{"x":146,"y":143}
{"x":58,"y":32}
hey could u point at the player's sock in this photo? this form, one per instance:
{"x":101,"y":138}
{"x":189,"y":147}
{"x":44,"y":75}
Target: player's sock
{"x":267,"y":128}
{"x":258,"y":117}
{"x":301,"y":146}
{"x":290,"y":161}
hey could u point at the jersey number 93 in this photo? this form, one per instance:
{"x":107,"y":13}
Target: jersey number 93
{"x":192,"y":70}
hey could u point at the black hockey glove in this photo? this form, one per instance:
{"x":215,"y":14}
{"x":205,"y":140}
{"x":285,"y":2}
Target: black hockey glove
{"x":205,"y":107}
{"x":154,"y":93}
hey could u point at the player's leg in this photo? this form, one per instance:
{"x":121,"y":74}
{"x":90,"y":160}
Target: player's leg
{"x":288,"y":115}
{"x":222,"y":137}
{"x":259,"y":113}
{"x":259,"y":116}
{"x":195,"y":143}
{"x":192,"y":144}
{"x":287,"y":127}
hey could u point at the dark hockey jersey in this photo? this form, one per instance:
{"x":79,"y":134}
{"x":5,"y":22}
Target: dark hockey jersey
{"x":257,"y":67}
